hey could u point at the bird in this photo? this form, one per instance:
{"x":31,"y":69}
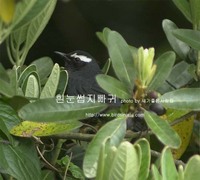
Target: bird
{"x":82,"y":69}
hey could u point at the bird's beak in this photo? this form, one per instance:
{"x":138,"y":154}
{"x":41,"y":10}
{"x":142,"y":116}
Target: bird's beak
{"x":60,"y":53}
{"x":63,"y":55}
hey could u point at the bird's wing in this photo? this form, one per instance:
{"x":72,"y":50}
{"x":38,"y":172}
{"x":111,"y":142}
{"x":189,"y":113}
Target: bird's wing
{"x":82,"y":86}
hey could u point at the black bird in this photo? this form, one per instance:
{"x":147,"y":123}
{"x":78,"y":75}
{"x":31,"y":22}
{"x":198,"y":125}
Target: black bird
{"x":82,"y":69}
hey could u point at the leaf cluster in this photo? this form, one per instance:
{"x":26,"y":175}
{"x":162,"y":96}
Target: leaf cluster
{"x":35,"y":112}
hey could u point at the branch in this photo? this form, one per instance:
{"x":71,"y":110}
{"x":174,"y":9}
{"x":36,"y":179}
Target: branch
{"x":89,"y":137}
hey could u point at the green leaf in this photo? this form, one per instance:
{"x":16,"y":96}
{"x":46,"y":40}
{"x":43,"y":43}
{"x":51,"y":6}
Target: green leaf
{"x":121,"y":57}
{"x":6,"y":89}
{"x":16,"y":102}
{"x":181,"y":48}
{"x":51,"y":85}
{"x":195,"y":12}
{"x":62,"y":85}
{"x":162,"y":130}
{"x":25,"y":83}
{"x":192,"y":168}
{"x":106,"y":66}
{"x":29,"y":129}
{"x":76,"y":171}
{"x":180,"y":75}
{"x":113,"y":86}
{"x":164,"y":66}
{"x":182,"y":99}
{"x":155,"y":173}
{"x":5,"y":131}
{"x":21,"y":10}
{"x":3,"y":74}
{"x":145,"y":158}
{"x":22,"y":39}
{"x":25,"y":74}
{"x":32,"y":87}
{"x":103,"y":35}
{"x":190,"y":37}
{"x":21,"y":161}
{"x":184,"y":7}
{"x":114,"y":129}
{"x":48,"y":175}
{"x":106,"y":153}
{"x":33,"y":13}
{"x":168,"y":168}
{"x":8,"y":115}
{"x":13,"y":75}
{"x":125,"y":164}
{"x":44,"y":67}
{"x":50,"y":110}
{"x":180,"y":173}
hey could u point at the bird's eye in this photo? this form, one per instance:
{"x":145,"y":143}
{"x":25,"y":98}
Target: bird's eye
{"x":77,"y":59}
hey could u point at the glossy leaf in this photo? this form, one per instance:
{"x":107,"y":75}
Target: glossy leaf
{"x":164,"y":66}
{"x":16,"y":102}
{"x":106,"y":67}
{"x":181,"y":48}
{"x":21,"y":161}
{"x":22,"y":39}
{"x":3,"y":74}
{"x":6,"y":89}
{"x":44,"y":67}
{"x":21,"y":10}
{"x":155,"y":173}
{"x":103,"y":36}
{"x":184,"y":7}
{"x":25,"y":74}
{"x":113,"y":86}
{"x":4,"y":130}
{"x":190,"y":37}
{"x":180,"y":75}
{"x":168,"y":168}
{"x":51,"y":85}
{"x":162,"y":130}
{"x":29,"y":129}
{"x":114,"y":129}
{"x":180,"y":173}
{"x":125,"y":164}
{"x":145,"y":158}
{"x":62,"y":85}
{"x":106,"y":154}
{"x":192,"y":168}
{"x":32,"y":87}
{"x":24,"y":85}
{"x":49,"y":110}
{"x":184,"y":129}
{"x":8,"y":115}
{"x":195,"y":12}
{"x":37,"y":8}
{"x":182,"y":99}
{"x":122,"y":60}
{"x":13,"y":75}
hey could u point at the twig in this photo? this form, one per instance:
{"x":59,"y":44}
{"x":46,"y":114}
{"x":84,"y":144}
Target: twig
{"x":51,"y":166}
{"x":67,"y":167}
{"x":57,"y":151}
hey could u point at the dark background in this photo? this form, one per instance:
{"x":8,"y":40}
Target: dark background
{"x":75,"y":22}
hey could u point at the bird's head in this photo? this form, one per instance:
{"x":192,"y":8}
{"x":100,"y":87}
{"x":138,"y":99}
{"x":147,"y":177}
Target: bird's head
{"x":79,"y":61}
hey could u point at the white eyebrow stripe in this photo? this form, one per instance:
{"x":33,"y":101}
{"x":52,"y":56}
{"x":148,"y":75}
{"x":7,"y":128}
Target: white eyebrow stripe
{"x":81,"y":57}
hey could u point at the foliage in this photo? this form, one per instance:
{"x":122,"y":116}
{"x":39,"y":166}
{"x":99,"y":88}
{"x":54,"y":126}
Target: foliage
{"x":37,"y":118}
